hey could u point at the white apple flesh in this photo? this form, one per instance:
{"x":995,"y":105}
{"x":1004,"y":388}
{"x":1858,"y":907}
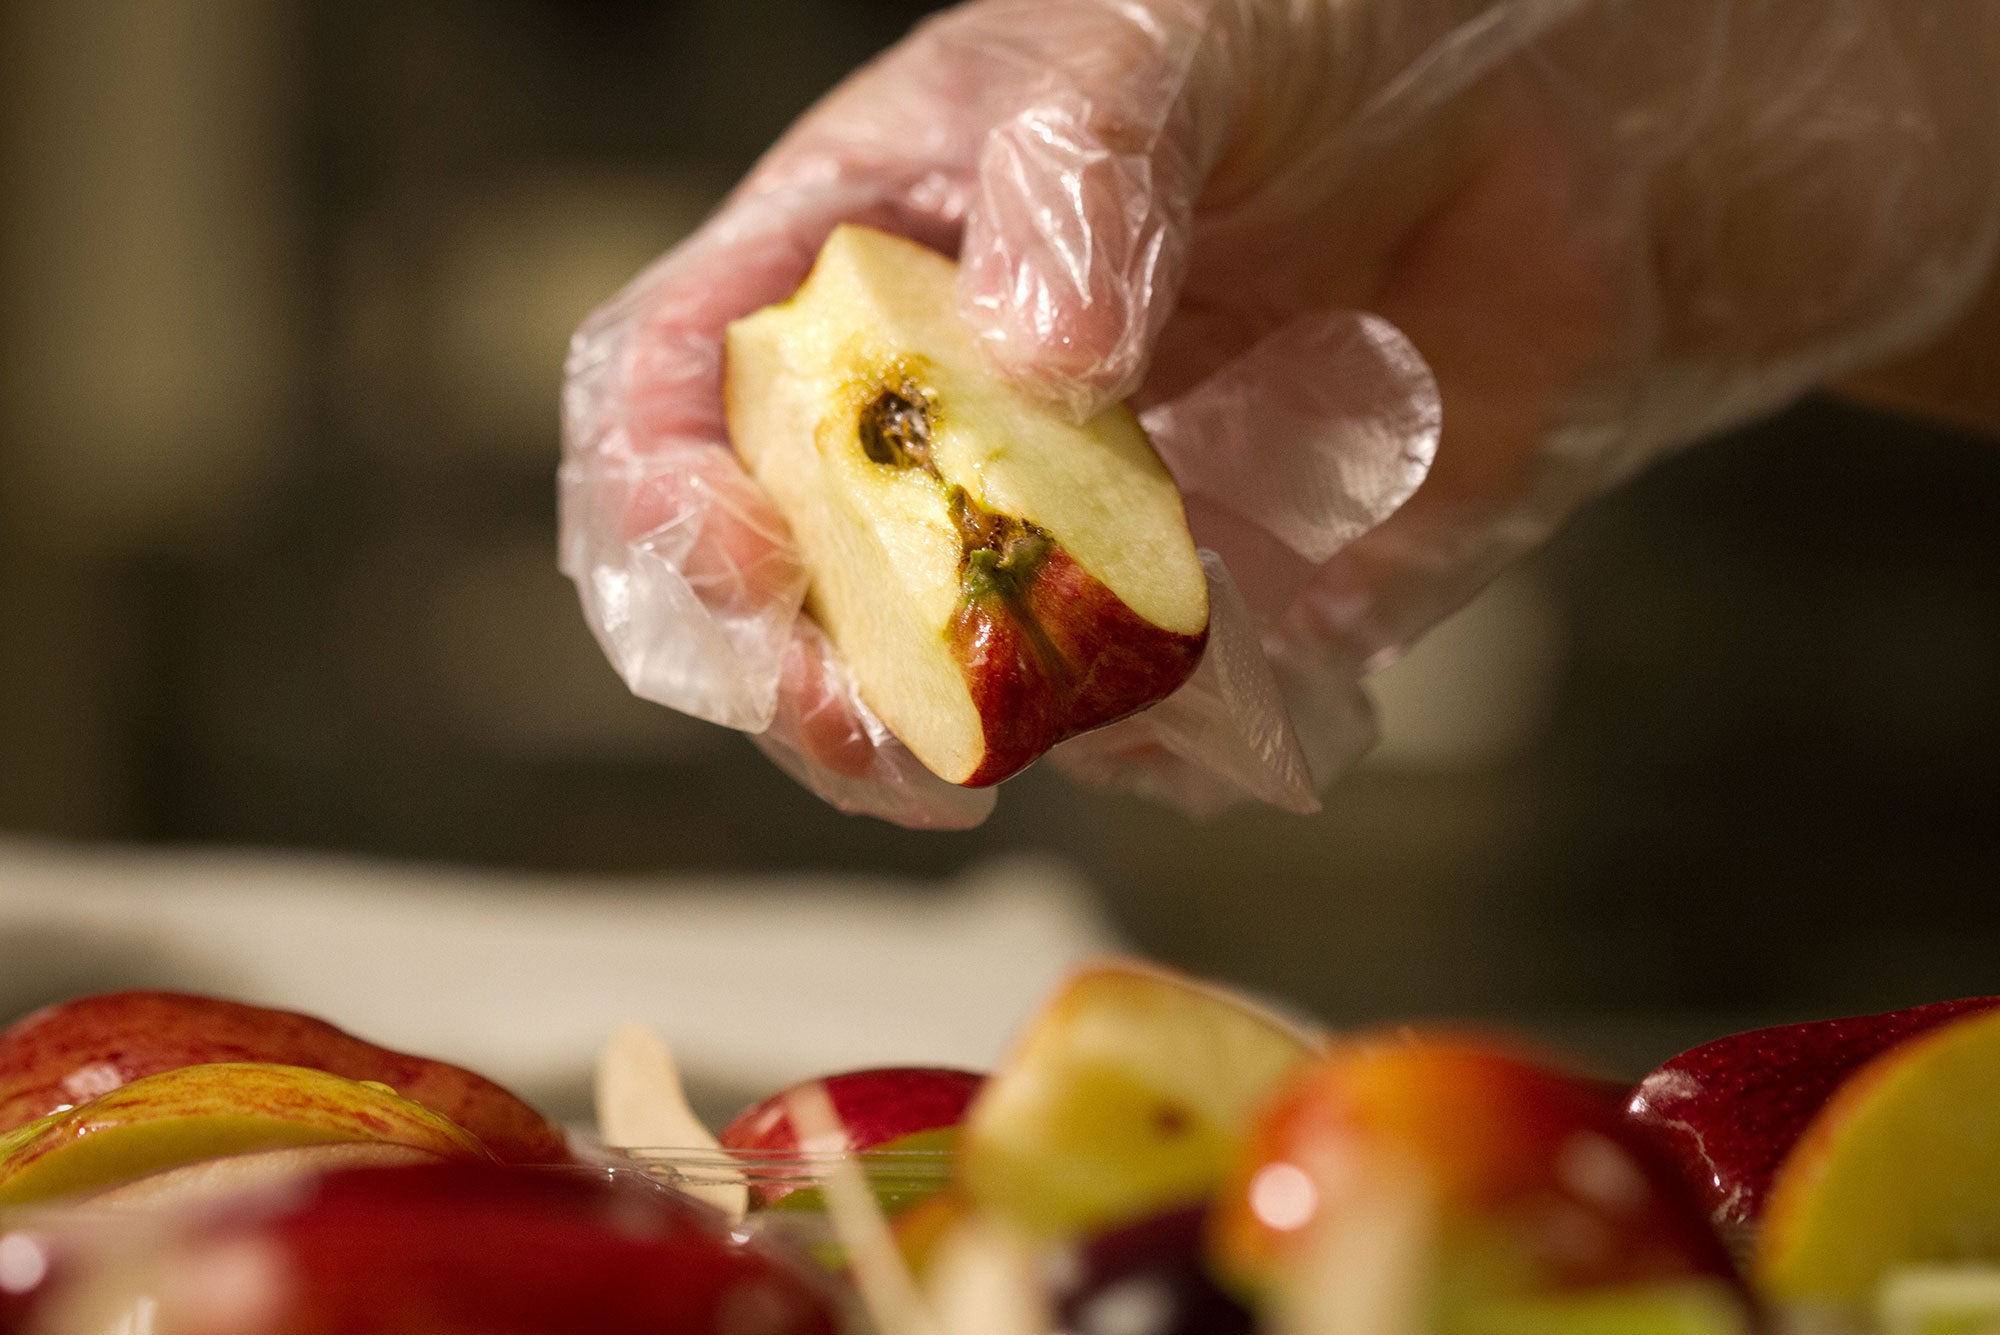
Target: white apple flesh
{"x":997,"y":576}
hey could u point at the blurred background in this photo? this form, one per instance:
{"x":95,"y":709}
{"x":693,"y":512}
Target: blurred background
{"x":286,"y":290}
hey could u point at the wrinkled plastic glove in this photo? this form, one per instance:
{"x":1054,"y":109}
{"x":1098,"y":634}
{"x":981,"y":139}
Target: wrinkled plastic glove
{"x":1582,"y":231}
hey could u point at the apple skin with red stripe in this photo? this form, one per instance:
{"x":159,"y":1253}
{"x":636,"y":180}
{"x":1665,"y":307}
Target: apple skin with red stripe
{"x":75,"y":1051}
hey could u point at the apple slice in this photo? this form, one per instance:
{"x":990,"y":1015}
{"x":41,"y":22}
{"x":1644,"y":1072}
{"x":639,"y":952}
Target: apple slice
{"x":71,"y":1053}
{"x":1525,"y":1181}
{"x":1125,"y":1098}
{"x":205,"y":1112}
{"x":903,"y":1120}
{"x":998,"y":577}
{"x":1901,"y":1166}
{"x":1939,"y":1300}
{"x":1729,"y":1110}
{"x":450,"y":1250}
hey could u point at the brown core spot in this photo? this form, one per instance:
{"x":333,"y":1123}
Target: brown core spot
{"x":896,"y":429}
{"x":1171,"y":1120}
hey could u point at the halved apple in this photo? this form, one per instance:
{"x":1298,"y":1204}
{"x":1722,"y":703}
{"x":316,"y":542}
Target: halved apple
{"x":998,"y":576}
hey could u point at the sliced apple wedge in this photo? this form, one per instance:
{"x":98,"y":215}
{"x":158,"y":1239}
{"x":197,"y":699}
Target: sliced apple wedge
{"x":1126,"y":1097}
{"x":185,"y":1116}
{"x":1900,"y":1167}
{"x":998,"y":577}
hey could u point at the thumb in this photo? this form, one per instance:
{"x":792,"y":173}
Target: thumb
{"x":1077,"y":238}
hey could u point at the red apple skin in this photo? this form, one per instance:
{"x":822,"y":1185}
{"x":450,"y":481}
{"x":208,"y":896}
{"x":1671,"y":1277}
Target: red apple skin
{"x":1117,"y":663}
{"x":77,"y":1050}
{"x":1060,"y":656}
{"x":1501,"y":1135}
{"x":876,"y":1106}
{"x":457,"y":1250}
{"x":1727,"y":1112}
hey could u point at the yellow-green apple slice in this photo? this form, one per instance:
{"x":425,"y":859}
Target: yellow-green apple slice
{"x":998,"y":576}
{"x":1515,"y":1187}
{"x":1695,"y":1307}
{"x":1902,"y":1165}
{"x":206,"y":1112}
{"x":73,"y":1052}
{"x":1125,"y":1097}
{"x":1939,"y":1300}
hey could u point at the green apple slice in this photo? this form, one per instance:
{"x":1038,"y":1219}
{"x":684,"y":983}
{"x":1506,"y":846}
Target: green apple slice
{"x":206,"y":1112}
{"x":1127,"y":1096}
{"x":1901,"y":1166}
{"x":1940,"y":1300}
{"x":1689,"y":1308}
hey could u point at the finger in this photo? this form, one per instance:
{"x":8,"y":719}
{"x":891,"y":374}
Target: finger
{"x":1077,"y":241}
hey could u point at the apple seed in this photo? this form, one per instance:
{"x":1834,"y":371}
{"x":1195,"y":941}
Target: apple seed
{"x":895,"y":429}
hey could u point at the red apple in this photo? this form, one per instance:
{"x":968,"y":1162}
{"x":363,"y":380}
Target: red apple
{"x":876,"y":1106}
{"x":886,"y":1110}
{"x":75,"y":1051}
{"x":1519,"y":1182}
{"x":1728,"y":1111}
{"x":998,"y":577}
{"x":456,"y":1251}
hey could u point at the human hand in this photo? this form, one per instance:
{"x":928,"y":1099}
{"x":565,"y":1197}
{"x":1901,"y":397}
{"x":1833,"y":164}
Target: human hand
{"x":1585,"y":231}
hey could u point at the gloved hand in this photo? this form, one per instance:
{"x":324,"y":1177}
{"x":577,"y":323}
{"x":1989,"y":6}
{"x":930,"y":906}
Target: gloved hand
{"x":1583,"y":231}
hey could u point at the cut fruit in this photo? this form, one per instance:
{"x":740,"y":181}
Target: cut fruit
{"x":1531,"y":1181}
{"x":1126,"y":1098}
{"x":263,"y":1170}
{"x":1695,"y":1308}
{"x":207,"y":1112}
{"x":1940,"y":1300}
{"x":998,"y":577}
{"x":1901,"y":1166}
{"x":1727,"y":1112}
{"x":71,"y":1053}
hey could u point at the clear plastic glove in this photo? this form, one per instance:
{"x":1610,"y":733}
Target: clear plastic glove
{"x":1582,"y":231}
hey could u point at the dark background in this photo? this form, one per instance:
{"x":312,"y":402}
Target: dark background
{"x":287,"y":287}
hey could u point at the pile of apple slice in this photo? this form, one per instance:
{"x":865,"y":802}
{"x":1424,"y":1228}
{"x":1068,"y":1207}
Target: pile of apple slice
{"x":180,"y":1164}
{"x":1157,"y":1156}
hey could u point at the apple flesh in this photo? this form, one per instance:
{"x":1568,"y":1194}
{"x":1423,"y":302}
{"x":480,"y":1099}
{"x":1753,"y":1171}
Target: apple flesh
{"x":262,"y":1170}
{"x":1125,"y":1098}
{"x":1727,"y":1112}
{"x":75,"y":1051}
{"x":198,"y":1113}
{"x":997,"y":576}
{"x":1901,"y":1166}
{"x":456,"y":1250}
{"x":1528,"y":1181}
